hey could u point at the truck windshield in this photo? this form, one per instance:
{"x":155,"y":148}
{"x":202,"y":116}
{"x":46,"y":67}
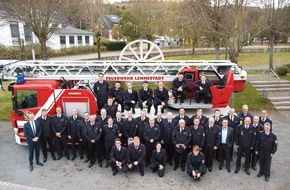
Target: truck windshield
{"x":26,"y":99}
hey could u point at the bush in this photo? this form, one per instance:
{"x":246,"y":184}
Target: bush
{"x":282,"y":70}
{"x":288,"y":65}
{"x":114,"y":46}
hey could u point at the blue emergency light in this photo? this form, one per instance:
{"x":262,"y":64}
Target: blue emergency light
{"x":20,"y":78}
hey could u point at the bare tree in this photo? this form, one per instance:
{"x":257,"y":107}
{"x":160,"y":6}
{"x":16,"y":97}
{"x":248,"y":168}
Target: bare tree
{"x":43,"y":16}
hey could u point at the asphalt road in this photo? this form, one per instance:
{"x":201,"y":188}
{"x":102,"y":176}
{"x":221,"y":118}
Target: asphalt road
{"x":72,"y":175}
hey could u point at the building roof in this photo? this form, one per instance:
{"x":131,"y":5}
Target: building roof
{"x":111,"y":20}
{"x":72,"y":31}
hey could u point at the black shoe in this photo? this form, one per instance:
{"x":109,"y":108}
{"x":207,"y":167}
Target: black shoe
{"x":73,"y":158}
{"x":59,"y":157}
{"x":181,"y":101}
{"x":170,"y":163}
{"x":90,"y":165}
{"x":237,"y":171}
{"x":175,"y":167}
{"x":133,"y":111}
{"x":254,"y":168}
{"x":53,"y":157}
{"x":67,"y":157}
{"x":30,"y":168}
{"x":183,"y":169}
{"x":39,"y":163}
{"x":100,"y":165}
{"x":259,"y":175}
{"x":107,"y":165}
{"x":247,"y":171}
{"x":162,"y":110}
{"x":210,"y":169}
{"x":266,"y":179}
{"x":142,"y":174}
{"x":154,"y":171}
{"x":81,"y":157}
{"x":44,"y":159}
{"x":87,"y":159}
{"x":229,"y":170}
{"x":175,"y":101}
{"x":155,"y":113}
{"x":221,"y":167}
{"x":115,"y":172}
{"x":148,"y":111}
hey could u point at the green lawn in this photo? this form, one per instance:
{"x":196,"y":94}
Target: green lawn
{"x":245,"y":59}
{"x":5,"y":103}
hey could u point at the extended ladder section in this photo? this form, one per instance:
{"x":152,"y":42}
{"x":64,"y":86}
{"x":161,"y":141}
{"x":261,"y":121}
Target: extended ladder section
{"x":114,"y":70}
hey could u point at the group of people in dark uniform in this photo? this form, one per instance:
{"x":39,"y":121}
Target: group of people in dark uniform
{"x":190,"y":143}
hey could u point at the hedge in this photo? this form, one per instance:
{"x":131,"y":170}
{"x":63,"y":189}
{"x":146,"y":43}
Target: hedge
{"x":114,"y":46}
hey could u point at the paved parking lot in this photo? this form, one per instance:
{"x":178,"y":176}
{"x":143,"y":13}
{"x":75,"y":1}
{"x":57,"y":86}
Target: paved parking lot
{"x":72,"y":175}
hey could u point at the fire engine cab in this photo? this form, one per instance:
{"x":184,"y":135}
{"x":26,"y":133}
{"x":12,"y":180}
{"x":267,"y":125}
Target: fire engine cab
{"x":48,"y":84}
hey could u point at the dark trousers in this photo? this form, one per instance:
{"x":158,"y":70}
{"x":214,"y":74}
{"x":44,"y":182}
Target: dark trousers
{"x":101,"y":148}
{"x":247,"y":152}
{"x":93,"y":151}
{"x":169,"y":148}
{"x":197,"y":171}
{"x":156,"y":104}
{"x":33,"y":146}
{"x":108,"y":147}
{"x":155,"y":167}
{"x":73,"y":144}
{"x":253,"y":158}
{"x":129,"y":106}
{"x":101,"y":104}
{"x":115,"y":168}
{"x":201,"y":95}
{"x":149,"y":148}
{"x":182,"y":94}
{"x":180,"y":157}
{"x":225,"y":154}
{"x":84,"y":147}
{"x":265,"y":163}
{"x":149,"y":105}
{"x":121,"y":103}
{"x":44,"y":141}
{"x":208,"y":154}
{"x":140,"y":165}
{"x":61,"y":144}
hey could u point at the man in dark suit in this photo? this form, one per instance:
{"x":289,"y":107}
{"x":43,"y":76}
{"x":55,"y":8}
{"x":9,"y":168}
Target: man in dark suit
{"x":102,"y":119}
{"x":195,"y":163}
{"x":142,"y":121}
{"x":225,"y":143}
{"x":136,"y":153}
{"x":258,"y":128}
{"x":101,"y":89}
{"x":119,"y":121}
{"x":167,"y":126}
{"x":130,"y":98}
{"x":111,"y":108}
{"x":203,"y":90}
{"x":46,"y":134}
{"x":197,"y":134}
{"x":83,"y":142}
{"x":160,"y":97}
{"x":73,"y":127}
{"x":183,"y":116}
{"x":145,"y":97}
{"x":234,"y":122}
{"x":117,"y":95}
{"x":179,"y":88}
{"x":130,"y":128}
{"x":32,"y":132}
{"x":158,"y":160}
{"x":203,"y":119}
{"x":264,"y":118}
{"x":245,"y":113}
{"x":118,"y":157}
{"x":59,"y":128}
{"x":218,"y":118}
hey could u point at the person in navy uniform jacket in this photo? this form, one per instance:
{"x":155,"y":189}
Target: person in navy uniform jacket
{"x":46,"y":135}
{"x":203,"y":119}
{"x":59,"y":128}
{"x":195,"y":163}
{"x":142,"y":121}
{"x":225,"y":143}
{"x":32,"y":132}
{"x":93,"y":136}
{"x":102,"y":90}
{"x":117,"y":95}
{"x":266,"y":147}
{"x":102,"y":120}
{"x":264,"y":118}
{"x":158,"y":119}
{"x":118,"y":157}
{"x":158,"y":160}
{"x":136,"y":153}
{"x":245,"y":113}
{"x":197,"y":134}
{"x":83,"y":142}
{"x":130,"y":98}
{"x":145,"y":97}
{"x":218,"y":117}
{"x":111,"y":108}
{"x":181,"y":137}
{"x":73,"y":127}
{"x":202,"y":90}
{"x":258,"y":128}
{"x":179,"y":88}
{"x":152,"y":134}
{"x":119,"y":121}
{"x":183,"y":116}
{"x":245,"y":141}
{"x":160,"y":97}
{"x":167,"y":126}
{"x":130,"y":128}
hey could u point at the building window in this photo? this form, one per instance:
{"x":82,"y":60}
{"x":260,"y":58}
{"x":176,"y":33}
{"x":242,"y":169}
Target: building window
{"x":27,"y":35}
{"x":87,"y":38}
{"x":62,"y":42}
{"x":80,"y":40}
{"x":71,"y":41}
{"x":14,"y":33}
